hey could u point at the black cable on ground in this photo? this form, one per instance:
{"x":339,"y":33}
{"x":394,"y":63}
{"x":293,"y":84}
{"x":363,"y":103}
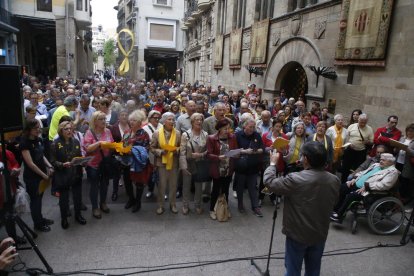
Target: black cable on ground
{"x":186,"y":265}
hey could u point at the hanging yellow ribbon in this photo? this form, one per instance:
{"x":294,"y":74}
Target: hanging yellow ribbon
{"x":124,"y":67}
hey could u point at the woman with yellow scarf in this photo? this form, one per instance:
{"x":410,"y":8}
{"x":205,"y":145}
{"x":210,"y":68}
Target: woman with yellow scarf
{"x":165,"y":146}
{"x":339,"y":137}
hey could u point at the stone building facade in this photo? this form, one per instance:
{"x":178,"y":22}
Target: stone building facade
{"x":157,"y":53}
{"x":55,"y":37}
{"x":301,"y":33}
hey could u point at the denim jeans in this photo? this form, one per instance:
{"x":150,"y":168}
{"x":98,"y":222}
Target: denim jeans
{"x":249,"y":180}
{"x":296,"y":252}
{"x":99,"y":186}
{"x":32,"y":188}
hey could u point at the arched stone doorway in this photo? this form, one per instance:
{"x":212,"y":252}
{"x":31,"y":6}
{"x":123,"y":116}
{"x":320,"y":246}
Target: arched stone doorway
{"x":292,"y":53}
{"x":293,"y":80}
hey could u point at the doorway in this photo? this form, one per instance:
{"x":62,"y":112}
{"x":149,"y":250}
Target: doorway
{"x":294,"y":80}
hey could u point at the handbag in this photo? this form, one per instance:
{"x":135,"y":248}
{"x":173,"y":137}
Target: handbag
{"x":221,"y":209}
{"x":200,"y":168}
{"x":108,"y":163}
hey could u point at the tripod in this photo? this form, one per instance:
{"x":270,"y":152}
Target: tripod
{"x":28,"y":233}
{"x":404,"y":240}
{"x":266,"y":273}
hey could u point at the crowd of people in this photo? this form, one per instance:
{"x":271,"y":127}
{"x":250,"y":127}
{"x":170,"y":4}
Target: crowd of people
{"x":185,"y":139}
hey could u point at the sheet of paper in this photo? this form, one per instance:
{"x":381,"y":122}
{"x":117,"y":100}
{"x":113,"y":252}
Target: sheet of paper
{"x":233,"y":153}
{"x":280,"y":143}
{"x":78,"y":161}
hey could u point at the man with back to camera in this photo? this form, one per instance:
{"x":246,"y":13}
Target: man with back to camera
{"x":310,"y":196}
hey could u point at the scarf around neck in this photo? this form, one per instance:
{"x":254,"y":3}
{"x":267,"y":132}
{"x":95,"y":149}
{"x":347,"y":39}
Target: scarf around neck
{"x":167,"y":158}
{"x":338,"y":144}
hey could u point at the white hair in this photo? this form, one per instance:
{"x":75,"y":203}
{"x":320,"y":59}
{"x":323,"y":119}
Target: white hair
{"x":165,"y":116}
{"x":337,"y":116}
{"x":388,"y":157}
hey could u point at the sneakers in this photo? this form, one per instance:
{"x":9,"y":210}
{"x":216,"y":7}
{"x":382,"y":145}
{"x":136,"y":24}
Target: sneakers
{"x":160,"y":210}
{"x":335,"y":218}
{"x":104,"y":208}
{"x":258,"y":212}
{"x":185,"y":210}
{"x":173,"y":209}
{"x":165,"y":197}
{"x":96,"y":213}
{"x":213,"y":215}
{"x":234,"y":194}
{"x":199,"y":211}
{"x":148,"y":195}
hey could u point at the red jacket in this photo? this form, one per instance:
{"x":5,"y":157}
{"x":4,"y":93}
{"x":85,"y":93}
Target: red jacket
{"x":213,"y":152}
{"x":380,"y":139}
{"x":11,"y":164}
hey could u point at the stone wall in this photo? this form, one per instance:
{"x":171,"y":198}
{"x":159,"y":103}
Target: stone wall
{"x":379,"y":92}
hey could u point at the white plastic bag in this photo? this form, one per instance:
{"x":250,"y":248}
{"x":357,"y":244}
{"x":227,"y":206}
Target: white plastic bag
{"x":22,"y":201}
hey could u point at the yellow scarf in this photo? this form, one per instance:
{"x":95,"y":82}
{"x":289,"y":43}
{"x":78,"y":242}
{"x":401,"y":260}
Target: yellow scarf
{"x":324,"y":137}
{"x":295,"y":155}
{"x":167,"y":158}
{"x":338,"y":144}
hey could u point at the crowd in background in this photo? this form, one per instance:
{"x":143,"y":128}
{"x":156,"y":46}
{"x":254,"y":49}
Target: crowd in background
{"x":185,"y":139}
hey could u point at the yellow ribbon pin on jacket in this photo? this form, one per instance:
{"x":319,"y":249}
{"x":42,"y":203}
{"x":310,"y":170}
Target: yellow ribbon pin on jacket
{"x":124,"y":67}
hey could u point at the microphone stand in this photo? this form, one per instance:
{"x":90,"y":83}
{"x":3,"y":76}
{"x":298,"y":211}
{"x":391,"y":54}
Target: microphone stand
{"x":252,"y":261}
{"x":404,"y":240}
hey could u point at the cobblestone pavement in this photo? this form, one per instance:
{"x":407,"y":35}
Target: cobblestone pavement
{"x":143,"y":242}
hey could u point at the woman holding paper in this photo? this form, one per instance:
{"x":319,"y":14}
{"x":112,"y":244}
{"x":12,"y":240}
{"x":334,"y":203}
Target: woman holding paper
{"x":165,"y":145}
{"x":68,"y":176}
{"x":339,"y":137}
{"x":297,"y":140}
{"x":221,"y":166}
{"x":269,"y":139}
{"x":95,"y":137}
{"x":36,"y":169}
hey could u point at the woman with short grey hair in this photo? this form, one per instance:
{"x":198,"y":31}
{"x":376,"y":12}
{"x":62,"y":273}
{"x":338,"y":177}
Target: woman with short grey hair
{"x":165,"y":145}
{"x":339,"y":136}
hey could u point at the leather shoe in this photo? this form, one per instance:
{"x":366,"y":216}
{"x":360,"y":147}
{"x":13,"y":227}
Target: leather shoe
{"x":48,"y":221}
{"x":43,"y":228}
{"x":97,"y":213}
{"x":65,"y":223}
{"x":104,"y":208}
{"x":137,"y":207}
{"x":129,"y":204}
{"x":160,"y":210}
{"x":81,"y":220}
{"x":173,"y":209}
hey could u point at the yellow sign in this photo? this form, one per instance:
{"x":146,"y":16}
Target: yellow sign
{"x":124,"y":67}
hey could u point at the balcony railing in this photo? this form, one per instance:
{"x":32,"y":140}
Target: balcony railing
{"x":6,"y":17}
{"x":192,"y":7}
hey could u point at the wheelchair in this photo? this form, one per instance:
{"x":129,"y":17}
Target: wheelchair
{"x":384,"y":212}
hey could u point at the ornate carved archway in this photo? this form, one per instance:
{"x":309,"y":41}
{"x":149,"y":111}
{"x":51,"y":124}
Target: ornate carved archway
{"x":301,"y":50}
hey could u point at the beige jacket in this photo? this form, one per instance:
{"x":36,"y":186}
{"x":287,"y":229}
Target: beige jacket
{"x":155,"y":147}
{"x":185,"y":147}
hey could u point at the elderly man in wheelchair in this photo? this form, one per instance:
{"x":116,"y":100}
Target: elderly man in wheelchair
{"x":369,"y":194}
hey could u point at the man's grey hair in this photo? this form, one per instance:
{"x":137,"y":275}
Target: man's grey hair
{"x":388,"y":157}
{"x":27,"y":88}
{"x":70,"y":101}
{"x":245,"y":117}
{"x":219,"y":104}
{"x":165,"y":116}
{"x":363,"y":116}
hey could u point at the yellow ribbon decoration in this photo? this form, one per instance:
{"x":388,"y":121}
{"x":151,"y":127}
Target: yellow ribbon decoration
{"x":124,"y":67}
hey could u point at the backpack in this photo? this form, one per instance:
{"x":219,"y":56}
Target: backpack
{"x":221,"y":209}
